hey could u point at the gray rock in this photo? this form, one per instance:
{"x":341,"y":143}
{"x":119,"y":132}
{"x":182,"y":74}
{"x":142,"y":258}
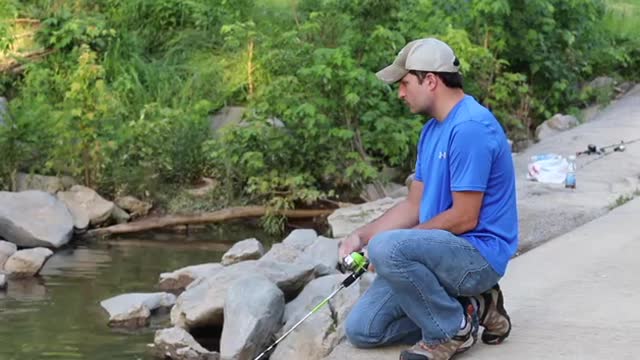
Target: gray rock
{"x":202,"y":303}
{"x":323,"y":255}
{"x":3,"y":281}
{"x":253,"y":310}
{"x":300,"y":238}
{"x":26,"y":263}
{"x":282,"y":253}
{"x":555,"y":124}
{"x":320,"y":333}
{"x":249,"y":249}
{"x":178,"y":280}
{"x":133,"y":310}
{"x":120,"y":216}
{"x":83,"y":199}
{"x":372,"y":192}
{"x":50,"y":184}
{"x":177,"y":344}
{"x":135,"y":207}
{"x":34,"y":218}
{"x":602,"y":82}
{"x":228,"y":115}
{"x":6,"y":250}
{"x":207,"y":185}
{"x":4,"y":110}
{"x":344,"y":220}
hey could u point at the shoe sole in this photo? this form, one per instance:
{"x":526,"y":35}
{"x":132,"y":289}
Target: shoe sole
{"x":493,"y":339}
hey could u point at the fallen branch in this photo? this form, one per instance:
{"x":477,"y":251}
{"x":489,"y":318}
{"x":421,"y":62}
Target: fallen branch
{"x":206,"y":218}
{"x":17,"y":66}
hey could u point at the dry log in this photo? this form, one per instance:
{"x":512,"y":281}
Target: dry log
{"x":234,"y":213}
{"x":17,"y":66}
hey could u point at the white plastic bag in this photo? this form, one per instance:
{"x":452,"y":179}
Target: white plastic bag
{"x":548,"y":168}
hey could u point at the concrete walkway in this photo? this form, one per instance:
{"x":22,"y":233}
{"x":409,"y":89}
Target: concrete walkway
{"x":576,"y":297}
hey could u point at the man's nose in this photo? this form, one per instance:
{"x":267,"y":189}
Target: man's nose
{"x":401,"y":93}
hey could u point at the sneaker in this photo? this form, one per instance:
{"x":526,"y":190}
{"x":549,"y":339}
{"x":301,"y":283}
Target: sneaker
{"x":460,"y":343}
{"x":493,"y":316}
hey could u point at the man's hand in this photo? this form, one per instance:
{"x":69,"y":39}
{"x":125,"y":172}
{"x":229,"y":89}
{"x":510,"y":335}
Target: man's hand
{"x":353,"y":242}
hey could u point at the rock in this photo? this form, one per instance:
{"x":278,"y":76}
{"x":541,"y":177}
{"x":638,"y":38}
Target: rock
{"x":323,"y":255}
{"x":177,"y":344}
{"x":300,"y":238}
{"x":202,"y":303}
{"x":135,"y":207}
{"x":344,"y":220}
{"x":50,"y":184}
{"x":228,"y":115}
{"x":34,"y":218}
{"x":207,"y":186}
{"x":624,"y":88}
{"x":26,"y":263}
{"x":253,"y":310}
{"x":6,"y":250}
{"x":3,"y":281}
{"x":555,"y":124}
{"x":602,"y":82}
{"x":282,"y":253}
{"x":4,"y":110}
{"x":318,"y":335}
{"x":120,"y":216}
{"x":249,"y":249}
{"x":392,"y":190}
{"x":133,"y":310}
{"x":178,"y":280}
{"x":83,"y":199}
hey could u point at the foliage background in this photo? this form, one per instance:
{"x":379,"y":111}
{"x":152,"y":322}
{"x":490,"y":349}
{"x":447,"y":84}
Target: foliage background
{"x":123,"y":102}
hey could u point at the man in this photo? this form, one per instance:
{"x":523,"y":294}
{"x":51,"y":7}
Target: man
{"x":440,"y":252}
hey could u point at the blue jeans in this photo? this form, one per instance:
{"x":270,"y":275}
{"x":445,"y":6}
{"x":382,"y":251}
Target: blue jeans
{"x":421,"y":274}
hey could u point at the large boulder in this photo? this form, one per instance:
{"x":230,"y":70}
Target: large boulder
{"x":319,"y":334}
{"x":300,"y":238}
{"x":81,"y":199}
{"x":26,"y":263}
{"x":6,"y":250}
{"x":202,"y":303}
{"x":178,"y":280}
{"x":133,"y":310}
{"x":50,"y":184}
{"x":323,"y":255}
{"x":249,"y":249}
{"x":252,"y":312}
{"x":555,"y":124}
{"x":133,"y":206}
{"x":344,"y":220}
{"x":177,"y":344}
{"x":34,"y":218}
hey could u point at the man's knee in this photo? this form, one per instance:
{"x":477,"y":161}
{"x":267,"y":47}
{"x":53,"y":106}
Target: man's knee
{"x":383,"y":250}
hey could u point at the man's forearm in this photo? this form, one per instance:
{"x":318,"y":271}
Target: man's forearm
{"x":450,"y":220}
{"x":403,"y":215}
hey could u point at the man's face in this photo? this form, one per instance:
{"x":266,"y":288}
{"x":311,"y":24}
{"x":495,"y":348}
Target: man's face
{"x":418,"y":97}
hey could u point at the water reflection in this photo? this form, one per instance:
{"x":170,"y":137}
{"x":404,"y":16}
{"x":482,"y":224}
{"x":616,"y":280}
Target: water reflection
{"x":57,"y":315}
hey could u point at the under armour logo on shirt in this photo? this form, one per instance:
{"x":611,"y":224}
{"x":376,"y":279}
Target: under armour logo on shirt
{"x":442,"y":155}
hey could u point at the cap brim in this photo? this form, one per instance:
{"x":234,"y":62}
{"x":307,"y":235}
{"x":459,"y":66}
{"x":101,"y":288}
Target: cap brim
{"x":391,"y":74}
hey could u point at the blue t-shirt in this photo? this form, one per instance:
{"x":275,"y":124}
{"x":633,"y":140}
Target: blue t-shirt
{"x":468,"y":151}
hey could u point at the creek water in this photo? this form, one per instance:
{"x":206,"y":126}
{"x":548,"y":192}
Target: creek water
{"x":57,"y":315}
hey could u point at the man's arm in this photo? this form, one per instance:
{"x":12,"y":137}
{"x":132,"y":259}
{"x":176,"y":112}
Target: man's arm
{"x":404,"y":215}
{"x":461,"y":217}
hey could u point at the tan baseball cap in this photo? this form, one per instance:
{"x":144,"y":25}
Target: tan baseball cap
{"x":428,"y":54}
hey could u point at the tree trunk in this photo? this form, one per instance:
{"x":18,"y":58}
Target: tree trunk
{"x":206,"y":218}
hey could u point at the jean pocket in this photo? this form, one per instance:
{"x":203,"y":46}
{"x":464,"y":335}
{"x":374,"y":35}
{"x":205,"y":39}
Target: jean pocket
{"x":477,"y":281}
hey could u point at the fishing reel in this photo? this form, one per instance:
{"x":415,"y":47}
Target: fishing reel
{"x":357,"y":264}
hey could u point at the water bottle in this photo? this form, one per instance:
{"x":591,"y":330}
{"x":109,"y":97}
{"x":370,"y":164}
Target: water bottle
{"x":570,"y":180}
